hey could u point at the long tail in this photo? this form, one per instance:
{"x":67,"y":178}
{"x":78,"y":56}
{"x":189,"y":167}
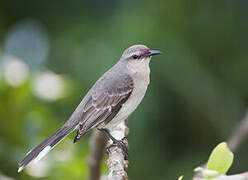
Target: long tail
{"x":43,"y":148}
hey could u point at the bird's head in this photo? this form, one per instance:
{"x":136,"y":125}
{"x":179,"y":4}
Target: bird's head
{"x":138,"y":53}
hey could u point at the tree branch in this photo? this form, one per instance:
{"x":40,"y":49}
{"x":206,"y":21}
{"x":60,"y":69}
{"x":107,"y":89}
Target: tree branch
{"x":116,"y":162}
{"x":239,"y":134}
{"x":97,"y":143}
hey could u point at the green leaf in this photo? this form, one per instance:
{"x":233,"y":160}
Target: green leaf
{"x":220,"y":159}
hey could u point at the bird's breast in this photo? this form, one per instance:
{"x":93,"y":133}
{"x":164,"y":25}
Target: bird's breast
{"x":141,"y":82}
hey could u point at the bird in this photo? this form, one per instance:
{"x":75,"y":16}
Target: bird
{"x":113,"y":97}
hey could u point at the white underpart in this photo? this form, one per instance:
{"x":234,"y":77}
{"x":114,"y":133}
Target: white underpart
{"x":119,"y":131}
{"x":140,"y":73}
{"x":42,"y":153}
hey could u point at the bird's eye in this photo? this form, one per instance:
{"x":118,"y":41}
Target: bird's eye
{"x":135,"y":56}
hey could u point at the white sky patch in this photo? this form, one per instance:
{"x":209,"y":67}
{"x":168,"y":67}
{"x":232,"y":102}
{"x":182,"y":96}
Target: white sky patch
{"x":49,"y":86}
{"x":15,"y":71}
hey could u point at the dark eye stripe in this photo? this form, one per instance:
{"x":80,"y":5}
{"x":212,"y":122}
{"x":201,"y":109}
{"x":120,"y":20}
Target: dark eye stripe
{"x":135,"y":56}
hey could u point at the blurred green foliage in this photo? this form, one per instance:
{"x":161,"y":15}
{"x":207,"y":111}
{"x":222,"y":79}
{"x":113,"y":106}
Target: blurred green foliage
{"x":197,"y":93}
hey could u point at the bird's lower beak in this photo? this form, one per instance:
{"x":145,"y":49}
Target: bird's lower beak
{"x":154,"y":52}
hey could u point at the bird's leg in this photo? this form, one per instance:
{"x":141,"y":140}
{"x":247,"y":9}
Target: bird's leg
{"x":116,"y":142}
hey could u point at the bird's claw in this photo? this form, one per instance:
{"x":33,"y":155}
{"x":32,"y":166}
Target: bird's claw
{"x":121,"y":144}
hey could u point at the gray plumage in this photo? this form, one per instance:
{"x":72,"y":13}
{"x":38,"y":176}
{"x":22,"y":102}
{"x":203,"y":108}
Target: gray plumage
{"x":111,"y":100}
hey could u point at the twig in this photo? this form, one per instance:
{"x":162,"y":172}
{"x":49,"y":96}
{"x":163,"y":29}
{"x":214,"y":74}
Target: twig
{"x":243,"y":176}
{"x":116,"y":162}
{"x":98,"y":143}
{"x":239,"y":133}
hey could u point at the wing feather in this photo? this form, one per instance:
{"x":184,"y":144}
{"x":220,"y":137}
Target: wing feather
{"x":103,"y":105}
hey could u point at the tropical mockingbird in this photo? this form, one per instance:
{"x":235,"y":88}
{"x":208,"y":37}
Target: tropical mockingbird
{"x":110,"y":101}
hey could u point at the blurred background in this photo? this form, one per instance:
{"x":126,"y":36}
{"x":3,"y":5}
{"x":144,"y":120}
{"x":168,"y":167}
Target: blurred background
{"x":52,"y":52}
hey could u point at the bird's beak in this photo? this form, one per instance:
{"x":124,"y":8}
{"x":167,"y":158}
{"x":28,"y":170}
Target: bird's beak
{"x":154,"y":52}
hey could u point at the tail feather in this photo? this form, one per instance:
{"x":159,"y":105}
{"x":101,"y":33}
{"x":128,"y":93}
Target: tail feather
{"x":43,"y":148}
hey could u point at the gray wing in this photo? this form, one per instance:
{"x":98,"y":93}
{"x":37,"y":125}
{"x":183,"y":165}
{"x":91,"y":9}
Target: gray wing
{"x":104,"y":102}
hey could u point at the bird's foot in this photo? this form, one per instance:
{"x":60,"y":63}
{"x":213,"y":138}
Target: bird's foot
{"x":119,"y":143}
{"x":122,"y":145}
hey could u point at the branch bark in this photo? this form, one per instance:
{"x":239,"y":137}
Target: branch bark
{"x":98,"y":143}
{"x":116,"y":163}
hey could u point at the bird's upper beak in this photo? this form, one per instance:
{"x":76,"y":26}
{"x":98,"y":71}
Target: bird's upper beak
{"x":154,"y":52}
